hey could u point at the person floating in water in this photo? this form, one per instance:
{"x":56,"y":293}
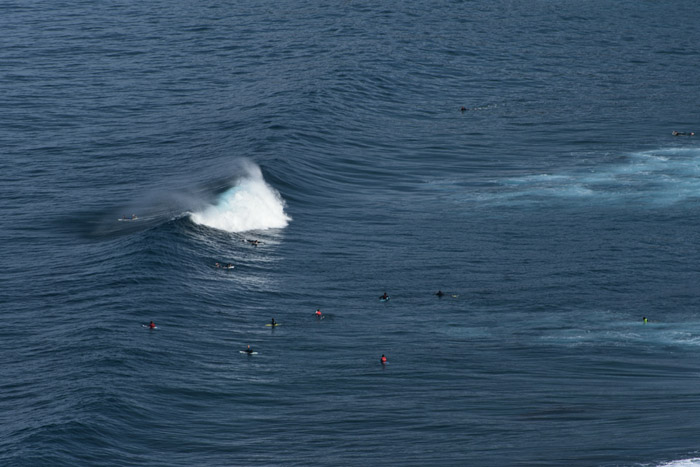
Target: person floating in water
{"x":273,"y":323}
{"x":439,"y":293}
{"x":683,"y":133}
{"x":318,"y":313}
{"x":248,"y":350}
{"x":254,"y":242}
{"x":463,"y":109}
{"x":384,"y":297}
{"x":383,"y":359}
{"x":151,"y":325}
{"x":644,"y":320}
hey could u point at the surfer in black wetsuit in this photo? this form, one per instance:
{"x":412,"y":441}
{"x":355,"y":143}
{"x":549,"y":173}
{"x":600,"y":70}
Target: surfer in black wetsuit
{"x":249,"y":350}
{"x":682,"y":133}
{"x":273,"y":323}
{"x":384,"y":297}
{"x":439,"y":293}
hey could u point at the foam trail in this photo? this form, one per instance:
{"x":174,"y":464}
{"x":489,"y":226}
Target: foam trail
{"x":251,"y":204}
{"x":695,"y":462}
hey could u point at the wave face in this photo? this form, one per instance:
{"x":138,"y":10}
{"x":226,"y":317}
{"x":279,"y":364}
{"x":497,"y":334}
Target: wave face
{"x":251,"y":204}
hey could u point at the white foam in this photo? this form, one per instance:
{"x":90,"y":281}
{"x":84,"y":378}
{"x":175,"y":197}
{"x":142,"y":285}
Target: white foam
{"x":251,"y":204}
{"x":694,"y":462}
{"x":654,"y":178}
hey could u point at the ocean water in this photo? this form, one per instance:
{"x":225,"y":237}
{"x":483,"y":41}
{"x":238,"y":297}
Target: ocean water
{"x":555,"y":212}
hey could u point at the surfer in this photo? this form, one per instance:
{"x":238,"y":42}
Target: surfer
{"x":229,"y":266}
{"x":463,"y":109}
{"x":645,"y":320}
{"x":254,"y":242}
{"x":318,"y":313}
{"x":384,"y":297}
{"x":248,"y":350}
{"x":682,"y":133}
{"x":151,"y":325}
{"x":383,"y":359}
{"x":439,"y":293}
{"x":273,"y":323}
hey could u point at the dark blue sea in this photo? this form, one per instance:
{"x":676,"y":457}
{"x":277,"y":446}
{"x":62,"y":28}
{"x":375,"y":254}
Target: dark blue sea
{"x":555,"y":212}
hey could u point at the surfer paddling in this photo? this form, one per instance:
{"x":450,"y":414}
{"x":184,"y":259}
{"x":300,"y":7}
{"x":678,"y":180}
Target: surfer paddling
{"x":683,"y":133}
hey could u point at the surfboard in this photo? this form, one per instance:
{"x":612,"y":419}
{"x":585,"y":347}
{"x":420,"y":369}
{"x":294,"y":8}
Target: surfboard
{"x":249,"y":353}
{"x":271,"y":325}
{"x":148,"y":327}
{"x":384,"y":299}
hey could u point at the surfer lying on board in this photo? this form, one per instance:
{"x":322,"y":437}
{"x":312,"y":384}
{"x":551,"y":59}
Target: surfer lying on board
{"x":254,"y":242}
{"x":683,"y":133}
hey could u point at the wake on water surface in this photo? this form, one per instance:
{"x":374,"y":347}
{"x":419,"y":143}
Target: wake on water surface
{"x":653,"y":178}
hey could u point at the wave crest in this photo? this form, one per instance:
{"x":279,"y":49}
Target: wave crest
{"x":251,"y":204}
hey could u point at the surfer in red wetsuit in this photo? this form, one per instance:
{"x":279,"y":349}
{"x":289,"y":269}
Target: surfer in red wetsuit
{"x":152,"y":325}
{"x":318,"y":313}
{"x":383,"y":359}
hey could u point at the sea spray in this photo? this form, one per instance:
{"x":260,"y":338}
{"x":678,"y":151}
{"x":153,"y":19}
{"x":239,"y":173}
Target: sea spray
{"x":251,"y":204}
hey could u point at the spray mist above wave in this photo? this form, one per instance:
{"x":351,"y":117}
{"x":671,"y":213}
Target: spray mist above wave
{"x":251,"y":204}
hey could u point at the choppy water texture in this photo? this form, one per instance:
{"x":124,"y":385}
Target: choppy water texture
{"x":555,"y":212}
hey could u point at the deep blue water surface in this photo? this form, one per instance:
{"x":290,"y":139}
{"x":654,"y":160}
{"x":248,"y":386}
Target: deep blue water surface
{"x":555,"y":212}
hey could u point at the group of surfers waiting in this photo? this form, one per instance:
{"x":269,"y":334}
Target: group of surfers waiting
{"x":318,"y":314}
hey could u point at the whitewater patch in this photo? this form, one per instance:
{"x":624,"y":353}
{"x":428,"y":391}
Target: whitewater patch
{"x":654,"y":179}
{"x":693,"y":462}
{"x":251,"y":204}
